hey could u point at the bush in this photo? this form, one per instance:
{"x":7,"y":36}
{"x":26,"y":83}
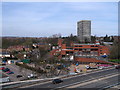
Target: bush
{"x":30,"y":68}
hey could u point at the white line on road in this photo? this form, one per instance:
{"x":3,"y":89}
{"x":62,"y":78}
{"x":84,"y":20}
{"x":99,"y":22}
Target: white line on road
{"x":91,"y":81}
{"x":81,"y":82}
{"x":88,"y":73}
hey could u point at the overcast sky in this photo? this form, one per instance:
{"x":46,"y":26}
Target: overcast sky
{"x":43,"y":19}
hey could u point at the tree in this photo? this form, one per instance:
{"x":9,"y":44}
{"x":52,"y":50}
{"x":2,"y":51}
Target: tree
{"x":115,"y":51}
{"x":93,"y":39}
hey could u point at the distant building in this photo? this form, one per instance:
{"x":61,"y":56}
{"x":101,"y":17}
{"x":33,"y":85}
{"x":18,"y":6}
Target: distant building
{"x":18,"y":48}
{"x":84,"y":30}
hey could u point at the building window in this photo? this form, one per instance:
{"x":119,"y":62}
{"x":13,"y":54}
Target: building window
{"x":63,"y":55}
{"x":69,"y":52}
{"x":94,"y":49}
{"x":76,"y":49}
{"x":80,"y":49}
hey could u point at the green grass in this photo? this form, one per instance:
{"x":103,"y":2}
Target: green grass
{"x":115,"y":60}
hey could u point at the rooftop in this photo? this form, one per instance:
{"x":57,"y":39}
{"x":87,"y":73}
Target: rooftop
{"x":85,"y":44}
{"x":84,"y":20}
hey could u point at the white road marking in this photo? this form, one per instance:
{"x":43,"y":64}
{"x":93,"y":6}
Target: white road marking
{"x":73,"y":85}
{"x":88,"y":73}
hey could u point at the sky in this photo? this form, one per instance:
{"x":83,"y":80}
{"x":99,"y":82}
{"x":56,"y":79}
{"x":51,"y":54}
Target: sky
{"x":44,"y":19}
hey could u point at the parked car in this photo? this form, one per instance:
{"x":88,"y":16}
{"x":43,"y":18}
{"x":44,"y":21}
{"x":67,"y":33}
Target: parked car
{"x":18,"y":76}
{"x":32,"y":76}
{"x":117,"y":67}
{"x":1,"y":68}
{"x":11,"y":72}
{"x":55,"y":81}
{"x":6,"y":69}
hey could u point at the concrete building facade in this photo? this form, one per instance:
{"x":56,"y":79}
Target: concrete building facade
{"x":84,"y":30}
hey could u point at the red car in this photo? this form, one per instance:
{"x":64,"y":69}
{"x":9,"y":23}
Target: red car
{"x":10,"y":72}
{"x":1,"y":68}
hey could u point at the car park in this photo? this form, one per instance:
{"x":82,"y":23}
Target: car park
{"x":18,"y":76}
{"x":55,"y":81}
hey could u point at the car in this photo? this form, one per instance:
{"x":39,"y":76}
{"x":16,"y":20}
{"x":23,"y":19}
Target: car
{"x":55,"y":81}
{"x":18,"y":76}
{"x":31,"y":76}
{"x":100,"y":68}
{"x":117,"y":67}
{"x":11,"y":72}
{"x":6,"y":69}
{"x":1,"y":68}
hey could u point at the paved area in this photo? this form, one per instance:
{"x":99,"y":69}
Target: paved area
{"x":17,"y":71}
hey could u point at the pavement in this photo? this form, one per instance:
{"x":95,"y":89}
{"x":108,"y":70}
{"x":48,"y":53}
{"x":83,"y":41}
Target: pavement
{"x":74,"y":80}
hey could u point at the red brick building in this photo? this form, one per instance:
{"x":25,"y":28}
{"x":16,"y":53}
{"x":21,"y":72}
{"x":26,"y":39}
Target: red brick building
{"x":88,"y":50}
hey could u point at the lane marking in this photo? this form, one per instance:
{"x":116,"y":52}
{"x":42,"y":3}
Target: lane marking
{"x":89,"y":73}
{"x":82,"y":81}
{"x":92,"y":81}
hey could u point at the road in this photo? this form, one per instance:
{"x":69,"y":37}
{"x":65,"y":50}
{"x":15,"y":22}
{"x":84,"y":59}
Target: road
{"x":76,"y":80}
{"x":99,"y":83}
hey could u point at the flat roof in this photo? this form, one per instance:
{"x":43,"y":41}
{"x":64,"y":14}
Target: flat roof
{"x":84,"y":20}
